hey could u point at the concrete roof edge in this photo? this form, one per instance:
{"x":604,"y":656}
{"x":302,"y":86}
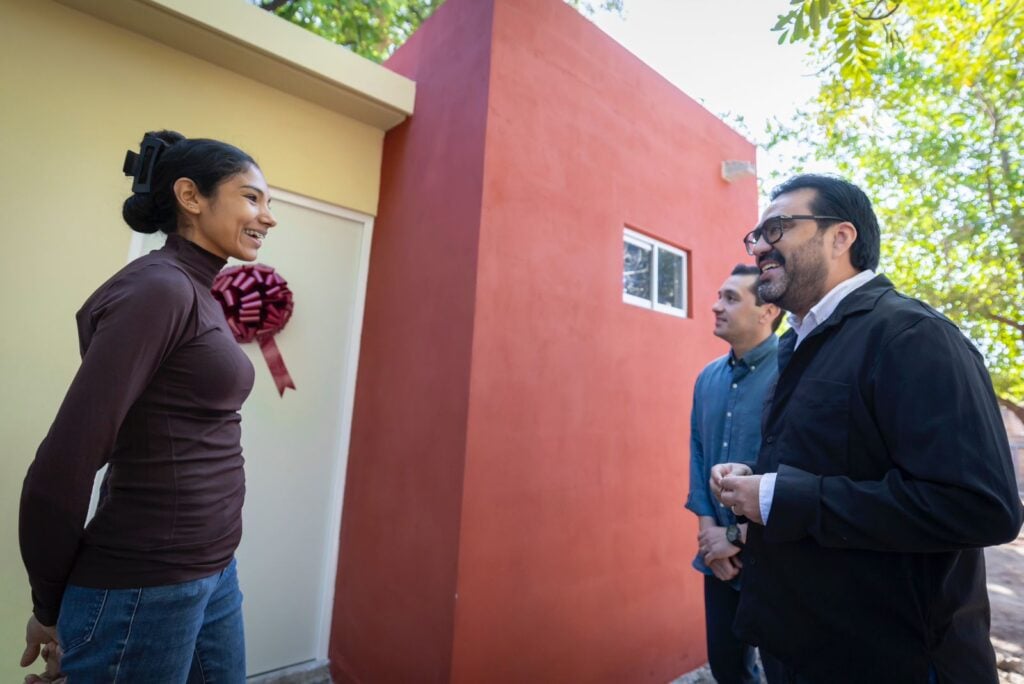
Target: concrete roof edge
{"x":253,"y":43}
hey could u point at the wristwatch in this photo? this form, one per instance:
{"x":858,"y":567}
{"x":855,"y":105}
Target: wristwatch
{"x":734,"y":536}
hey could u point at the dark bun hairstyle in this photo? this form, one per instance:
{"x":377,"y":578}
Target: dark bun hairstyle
{"x":207,"y":162}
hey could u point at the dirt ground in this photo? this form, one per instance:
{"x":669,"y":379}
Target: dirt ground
{"x":1005,"y":566}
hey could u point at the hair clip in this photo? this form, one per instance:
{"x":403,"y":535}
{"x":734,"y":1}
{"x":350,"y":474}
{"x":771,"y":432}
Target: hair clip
{"x":140,"y":165}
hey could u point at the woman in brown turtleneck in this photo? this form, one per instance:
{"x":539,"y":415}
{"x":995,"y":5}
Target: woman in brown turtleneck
{"x":147,"y":591}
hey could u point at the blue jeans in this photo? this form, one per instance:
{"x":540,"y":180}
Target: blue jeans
{"x":186,"y":633}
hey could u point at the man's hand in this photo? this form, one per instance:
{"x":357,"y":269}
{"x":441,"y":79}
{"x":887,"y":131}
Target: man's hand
{"x":723,"y":470}
{"x":742,"y":494}
{"x":725,"y":568}
{"x":714,"y":545}
{"x":41,"y":639}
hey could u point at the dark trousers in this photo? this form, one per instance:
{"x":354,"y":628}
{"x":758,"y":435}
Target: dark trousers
{"x":732,"y":661}
{"x":779,"y":673}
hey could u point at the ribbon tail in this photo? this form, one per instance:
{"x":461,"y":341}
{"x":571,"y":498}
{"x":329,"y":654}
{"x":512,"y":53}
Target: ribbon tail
{"x":272,"y":355}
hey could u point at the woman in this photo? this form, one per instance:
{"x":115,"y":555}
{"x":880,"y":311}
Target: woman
{"x":147,"y":592}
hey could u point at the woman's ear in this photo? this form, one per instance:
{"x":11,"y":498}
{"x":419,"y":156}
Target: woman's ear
{"x":188,"y":195}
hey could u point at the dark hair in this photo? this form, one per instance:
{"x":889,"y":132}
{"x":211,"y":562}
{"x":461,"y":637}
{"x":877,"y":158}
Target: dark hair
{"x":746,"y":269}
{"x":207,"y":162}
{"x":749,"y":269}
{"x":839,"y":197}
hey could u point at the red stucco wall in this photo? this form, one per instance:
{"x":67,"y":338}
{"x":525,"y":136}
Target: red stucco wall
{"x":394,"y":610}
{"x":558,"y":545}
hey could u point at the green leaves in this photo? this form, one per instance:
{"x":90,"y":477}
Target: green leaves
{"x":376,"y":28}
{"x":592,"y":7}
{"x":804,"y":20}
{"x":922,"y":104}
{"x":371,"y":28}
{"x":855,"y":29}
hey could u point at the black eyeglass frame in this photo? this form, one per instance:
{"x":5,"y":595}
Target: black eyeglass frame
{"x":751,"y":238}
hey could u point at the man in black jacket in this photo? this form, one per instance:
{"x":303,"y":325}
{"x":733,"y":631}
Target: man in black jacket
{"x":884,"y":467}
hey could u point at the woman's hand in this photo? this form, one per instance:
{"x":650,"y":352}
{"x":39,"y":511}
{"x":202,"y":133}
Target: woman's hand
{"x":42,"y":640}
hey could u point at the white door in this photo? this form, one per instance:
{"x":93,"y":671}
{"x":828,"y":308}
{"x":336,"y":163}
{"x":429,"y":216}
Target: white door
{"x":296,"y":446}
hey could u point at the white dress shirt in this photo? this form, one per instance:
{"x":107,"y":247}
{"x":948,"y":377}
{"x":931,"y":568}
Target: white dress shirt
{"x":818,"y":314}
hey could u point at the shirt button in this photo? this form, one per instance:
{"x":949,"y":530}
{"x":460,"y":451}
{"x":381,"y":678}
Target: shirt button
{"x":770,"y":439}
{"x":734,"y":385}
{"x":753,"y":368}
{"x":725,"y":444}
{"x":728,"y":414}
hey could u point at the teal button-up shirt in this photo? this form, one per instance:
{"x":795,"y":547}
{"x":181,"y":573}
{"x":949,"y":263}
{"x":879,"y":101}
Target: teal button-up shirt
{"x":725,"y":424}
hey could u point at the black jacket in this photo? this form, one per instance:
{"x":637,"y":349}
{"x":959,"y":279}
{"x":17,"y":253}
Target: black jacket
{"x":893,"y":471}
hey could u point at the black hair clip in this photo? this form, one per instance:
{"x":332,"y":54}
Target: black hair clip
{"x":140,"y":165}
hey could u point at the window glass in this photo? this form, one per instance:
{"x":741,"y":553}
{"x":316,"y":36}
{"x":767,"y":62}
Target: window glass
{"x":636,"y":270}
{"x":670,"y":278}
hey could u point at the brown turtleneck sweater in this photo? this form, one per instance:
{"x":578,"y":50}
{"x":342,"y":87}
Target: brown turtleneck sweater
{"x":157,"y":398}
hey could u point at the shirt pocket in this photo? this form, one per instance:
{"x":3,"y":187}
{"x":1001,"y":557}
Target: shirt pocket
{"x":816,"y":433}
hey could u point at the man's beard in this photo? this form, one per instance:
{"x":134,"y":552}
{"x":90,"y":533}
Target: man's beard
{"x":803,"y":279}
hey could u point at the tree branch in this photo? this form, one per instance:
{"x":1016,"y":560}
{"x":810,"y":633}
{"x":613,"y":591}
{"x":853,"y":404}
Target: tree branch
{"x":1012,"y":407}
{"x":991,"y":191}
{"x":1016,"y":325}
{"x":273,"y":5}
{"x":871,"y":15}
{"x":1009,"y":12}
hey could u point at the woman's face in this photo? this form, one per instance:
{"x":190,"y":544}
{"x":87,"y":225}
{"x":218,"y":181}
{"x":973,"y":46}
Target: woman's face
{"x":235,"y":219}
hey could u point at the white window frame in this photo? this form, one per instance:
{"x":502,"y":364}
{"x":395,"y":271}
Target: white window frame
{"x":646,"y":242}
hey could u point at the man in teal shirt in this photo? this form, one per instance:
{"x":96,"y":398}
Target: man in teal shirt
{"x":725,"y":426}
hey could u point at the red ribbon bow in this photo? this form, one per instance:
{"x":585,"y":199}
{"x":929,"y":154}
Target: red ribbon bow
{"x":257,"y":304}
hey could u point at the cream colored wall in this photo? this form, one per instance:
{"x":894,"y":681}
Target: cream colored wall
{"x":77,"y":92}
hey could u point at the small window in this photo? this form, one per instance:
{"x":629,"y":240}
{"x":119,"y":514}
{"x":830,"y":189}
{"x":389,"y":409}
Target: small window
{"x":653,"y":274}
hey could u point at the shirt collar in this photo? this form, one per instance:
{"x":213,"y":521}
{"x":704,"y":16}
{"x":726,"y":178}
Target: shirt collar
{"x":755,"y":356}
{"x":826,"y":305}
{"x":201,"y":265}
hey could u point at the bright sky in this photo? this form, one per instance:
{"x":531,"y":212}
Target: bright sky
{"x":723,"y":54}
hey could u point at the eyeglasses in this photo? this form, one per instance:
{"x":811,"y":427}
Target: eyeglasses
{"x":773,"y":228}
